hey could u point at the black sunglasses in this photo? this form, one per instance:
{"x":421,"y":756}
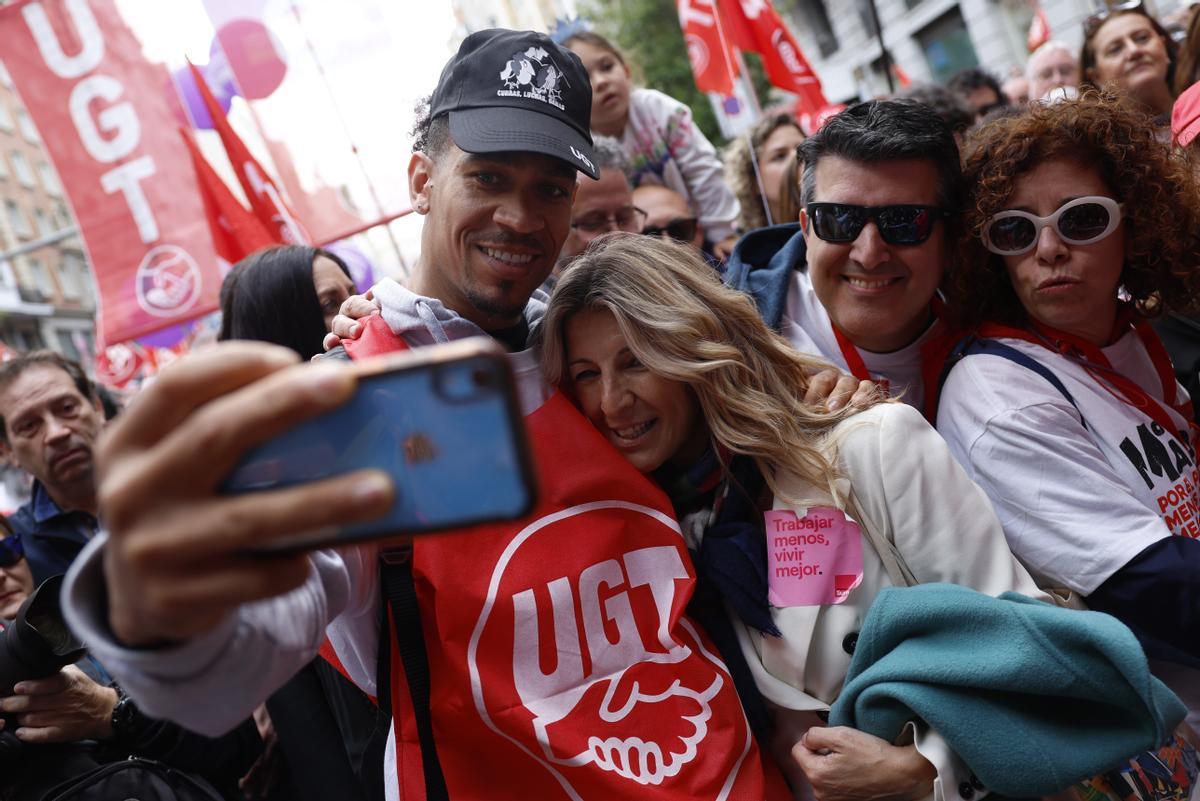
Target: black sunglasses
{"x":11,"y":551}
{"x":901,"y":224}
{"x":1093,"y":22}
{"x":682,"y":229}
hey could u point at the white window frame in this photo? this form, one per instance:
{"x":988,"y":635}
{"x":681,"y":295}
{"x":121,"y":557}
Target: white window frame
{"x":17,"y":219}
{"x":24,"y":172}
{"x":27,"y":128}
{"x":49,"y":179}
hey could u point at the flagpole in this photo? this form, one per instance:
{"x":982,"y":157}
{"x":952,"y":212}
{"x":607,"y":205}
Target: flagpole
{"x":883,"y":51}
{"x":758,"y":179}
{"x":346,"y":130}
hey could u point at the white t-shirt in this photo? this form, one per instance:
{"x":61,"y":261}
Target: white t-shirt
{"x":1077,"y":503}
{"x":664,"y":146}
{"x":807,"y":326}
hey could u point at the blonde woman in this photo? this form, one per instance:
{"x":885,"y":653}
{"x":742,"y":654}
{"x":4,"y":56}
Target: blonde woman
{"x":681,"y":375}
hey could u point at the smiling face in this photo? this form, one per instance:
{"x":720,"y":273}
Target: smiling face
{"x":610,"y":87}
{"x":1069,"y":287}
{"x":877,"y":294}
{"x":774,"y":156}
{"x":493,"y":228}
{"x":16,"y":584}
{"x":333,"y":286}
{"x":51,"y":429}
{"x":652,"y":420}
{"x":1130,"y":57}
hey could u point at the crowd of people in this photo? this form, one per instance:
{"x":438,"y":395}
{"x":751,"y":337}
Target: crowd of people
{"x":866,"y":463}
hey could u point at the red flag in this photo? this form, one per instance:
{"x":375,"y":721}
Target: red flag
{"x":901,"y":76}
{"x":1039,"y":29}
{"x":813,"y":121}
{"x":709,"y":52}
{"x":786,"y":67}
{"x":106,"y":124}
{"x":236,"y":232}
{"x":266,"y":201}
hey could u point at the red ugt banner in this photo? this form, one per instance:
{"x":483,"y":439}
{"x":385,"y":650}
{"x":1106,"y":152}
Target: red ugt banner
{"x":713,"y":64}
{"x":755,"y":25}
{"x":104,"y":119}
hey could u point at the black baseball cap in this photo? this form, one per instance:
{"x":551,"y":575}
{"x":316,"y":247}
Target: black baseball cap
{"x":518,"y":91}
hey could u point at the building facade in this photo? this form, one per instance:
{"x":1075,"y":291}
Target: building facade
{"x":929,"y":40}
{"x":47,"y":299}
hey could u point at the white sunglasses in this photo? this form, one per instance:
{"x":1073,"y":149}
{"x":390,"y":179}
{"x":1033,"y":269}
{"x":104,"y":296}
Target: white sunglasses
{"x":1081,"y":221}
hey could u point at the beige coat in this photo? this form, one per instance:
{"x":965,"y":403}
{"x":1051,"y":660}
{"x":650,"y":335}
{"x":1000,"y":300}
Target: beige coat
{"x":911,"y":491}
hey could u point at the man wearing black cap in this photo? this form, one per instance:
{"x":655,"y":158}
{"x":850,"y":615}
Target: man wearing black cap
{"x":197,"y":630}
{"x":497,"y":154}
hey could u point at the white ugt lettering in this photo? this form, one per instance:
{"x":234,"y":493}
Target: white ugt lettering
{"x":126,"y":179}
{"x":551,"y":695}
{"x":119,"y":120}
{"x":92,"y":43}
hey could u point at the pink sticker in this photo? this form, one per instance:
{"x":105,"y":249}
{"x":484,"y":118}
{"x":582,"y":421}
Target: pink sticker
{"x":813,"y":560}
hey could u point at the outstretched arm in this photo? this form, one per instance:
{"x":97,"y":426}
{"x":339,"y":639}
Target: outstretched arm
{"x":173,"y":594}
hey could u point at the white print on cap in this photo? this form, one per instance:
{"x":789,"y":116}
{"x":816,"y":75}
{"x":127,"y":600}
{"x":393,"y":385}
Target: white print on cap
{"x":532,"y":74}
{"x":582,"y":158}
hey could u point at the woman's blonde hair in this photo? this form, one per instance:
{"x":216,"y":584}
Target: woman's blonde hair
{"x":683,"y":324}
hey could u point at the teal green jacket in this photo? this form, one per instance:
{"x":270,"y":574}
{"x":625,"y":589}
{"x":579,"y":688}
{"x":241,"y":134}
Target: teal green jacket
{"x":1033,"y":698}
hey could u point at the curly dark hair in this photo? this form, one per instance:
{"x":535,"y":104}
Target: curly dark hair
{"x":1160,"y":196}
{"x":430,"y":135}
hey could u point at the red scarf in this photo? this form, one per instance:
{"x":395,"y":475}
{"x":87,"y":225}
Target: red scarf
{"x":1091,"y":358}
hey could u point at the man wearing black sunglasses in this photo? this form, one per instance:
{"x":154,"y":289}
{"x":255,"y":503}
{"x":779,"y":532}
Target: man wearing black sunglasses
{"x":856,"y":281}
{"x":668,"y":214}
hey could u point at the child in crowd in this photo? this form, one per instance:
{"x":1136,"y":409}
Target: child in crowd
{"x":661,"y":140}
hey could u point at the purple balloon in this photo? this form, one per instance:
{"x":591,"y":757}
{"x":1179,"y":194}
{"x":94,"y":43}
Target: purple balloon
{"x":167,"y":337}
{"x":193,"y":110}
{"x":361,"y":268}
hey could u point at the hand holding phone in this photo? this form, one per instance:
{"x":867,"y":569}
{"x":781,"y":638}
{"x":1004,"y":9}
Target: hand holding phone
{"x":442,"y":421}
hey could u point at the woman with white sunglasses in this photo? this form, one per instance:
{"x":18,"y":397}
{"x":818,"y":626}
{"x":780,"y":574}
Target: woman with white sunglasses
{"x":1065,"y":409}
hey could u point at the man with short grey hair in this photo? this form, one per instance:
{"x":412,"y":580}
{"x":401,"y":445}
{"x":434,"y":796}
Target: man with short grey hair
{"x":1051,"y":66}
{"x":602,"y":205}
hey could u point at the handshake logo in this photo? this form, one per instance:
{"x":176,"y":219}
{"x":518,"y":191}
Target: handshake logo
{"x":607,"y":679}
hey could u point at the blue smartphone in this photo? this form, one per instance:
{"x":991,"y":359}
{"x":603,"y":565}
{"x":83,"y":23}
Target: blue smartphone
{"x":443,"y":421}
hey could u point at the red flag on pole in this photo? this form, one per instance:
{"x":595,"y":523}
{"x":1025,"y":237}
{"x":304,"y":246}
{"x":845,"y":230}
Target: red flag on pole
{"x":236,"y":232}
{"x":712,"y":64}
{"x":1039,"y":29}
{"x":755,"y":25}
{"x":266,"y":201}
{"x":102,"y":116}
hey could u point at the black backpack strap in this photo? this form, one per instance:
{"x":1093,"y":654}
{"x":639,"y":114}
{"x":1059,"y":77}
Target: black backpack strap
{"x":400,"y":596}
{"x":971,"y":344}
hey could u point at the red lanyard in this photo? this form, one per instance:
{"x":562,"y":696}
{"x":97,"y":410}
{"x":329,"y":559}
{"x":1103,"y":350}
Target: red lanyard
{"x":1092,"y":359}
{"x":854,"y":360}
{"x":933,"y":354}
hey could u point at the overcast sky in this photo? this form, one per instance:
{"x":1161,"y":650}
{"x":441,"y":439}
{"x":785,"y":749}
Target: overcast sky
{"x":379,"y":56}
